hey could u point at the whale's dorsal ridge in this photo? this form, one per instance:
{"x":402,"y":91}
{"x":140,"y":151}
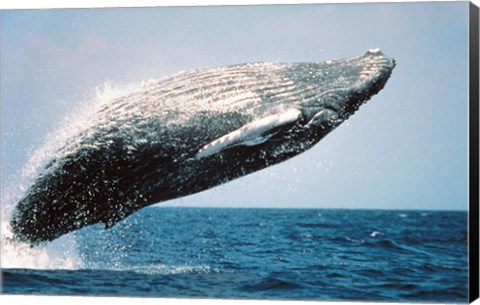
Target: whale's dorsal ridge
{"x":253,"y":133}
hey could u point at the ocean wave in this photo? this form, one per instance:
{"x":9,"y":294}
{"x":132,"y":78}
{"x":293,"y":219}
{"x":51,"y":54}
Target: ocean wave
{"x":271,"y":283}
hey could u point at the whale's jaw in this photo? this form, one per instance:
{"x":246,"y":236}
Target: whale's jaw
{"x":357,"y":80}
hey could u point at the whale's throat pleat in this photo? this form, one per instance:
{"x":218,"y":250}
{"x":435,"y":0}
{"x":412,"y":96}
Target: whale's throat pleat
{"x":253,"y":133}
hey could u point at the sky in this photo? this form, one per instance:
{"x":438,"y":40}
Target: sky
{"x":406,"y":149}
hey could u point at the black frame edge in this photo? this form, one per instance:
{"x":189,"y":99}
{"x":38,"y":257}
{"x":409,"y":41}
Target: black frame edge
{"x":474,"y":154}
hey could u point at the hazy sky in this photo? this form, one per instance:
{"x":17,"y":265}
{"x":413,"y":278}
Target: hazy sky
{"x":407,"y":148}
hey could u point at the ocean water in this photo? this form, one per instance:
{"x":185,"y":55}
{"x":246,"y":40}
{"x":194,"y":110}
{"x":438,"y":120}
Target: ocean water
{"x":288,"y":254}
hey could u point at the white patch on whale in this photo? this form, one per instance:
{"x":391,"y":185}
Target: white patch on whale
{"x":251,"y":134}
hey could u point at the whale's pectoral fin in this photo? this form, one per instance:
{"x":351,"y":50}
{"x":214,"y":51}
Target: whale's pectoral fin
{"x":253,"y":133}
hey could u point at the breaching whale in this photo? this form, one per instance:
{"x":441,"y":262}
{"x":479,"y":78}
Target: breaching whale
{"x":190,"y":132}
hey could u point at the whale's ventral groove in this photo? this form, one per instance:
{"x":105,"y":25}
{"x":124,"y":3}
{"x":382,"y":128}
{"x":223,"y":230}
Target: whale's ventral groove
{"x":190,"y":132}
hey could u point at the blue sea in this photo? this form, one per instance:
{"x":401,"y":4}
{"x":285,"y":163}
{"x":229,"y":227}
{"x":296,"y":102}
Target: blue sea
{"x":287,"y":254}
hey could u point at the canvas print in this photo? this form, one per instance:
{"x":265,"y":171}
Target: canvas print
{"x":292,"y":152}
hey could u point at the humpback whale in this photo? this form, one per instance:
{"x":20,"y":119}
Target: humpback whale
{"x":190,"y":132}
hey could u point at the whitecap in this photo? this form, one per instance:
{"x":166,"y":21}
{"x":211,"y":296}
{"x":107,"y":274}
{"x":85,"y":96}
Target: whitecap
{"x":376,"y":233}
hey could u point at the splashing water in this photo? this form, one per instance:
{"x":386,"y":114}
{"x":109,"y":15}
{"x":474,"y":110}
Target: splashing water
{"x":61,"y":253}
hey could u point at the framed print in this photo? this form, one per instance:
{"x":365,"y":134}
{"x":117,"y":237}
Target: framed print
{"x":295,"y":152}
